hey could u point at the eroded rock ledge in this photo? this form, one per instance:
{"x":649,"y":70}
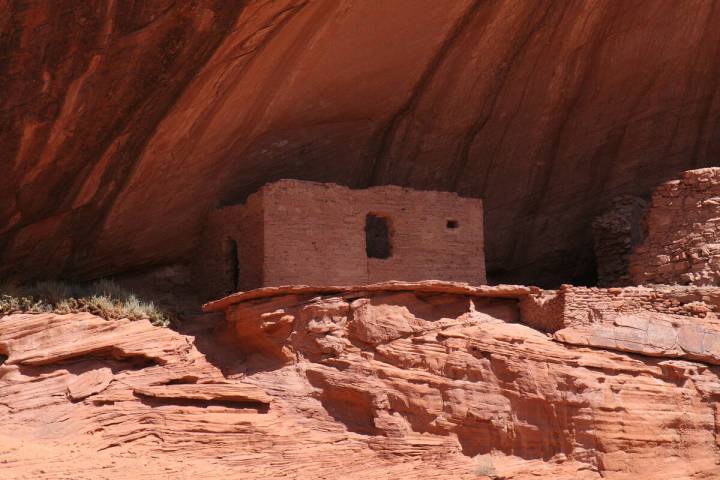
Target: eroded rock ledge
{"x":388,"y":381}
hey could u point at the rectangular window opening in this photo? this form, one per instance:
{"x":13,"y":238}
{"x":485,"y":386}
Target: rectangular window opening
{"x":452,"y":224}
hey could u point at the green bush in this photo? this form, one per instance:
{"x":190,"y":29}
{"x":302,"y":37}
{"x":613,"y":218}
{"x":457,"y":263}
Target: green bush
{"x":103,"y":298}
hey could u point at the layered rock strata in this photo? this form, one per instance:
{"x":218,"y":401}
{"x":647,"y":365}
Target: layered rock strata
{"x":386,"y":381}
{"x":466,"y":365}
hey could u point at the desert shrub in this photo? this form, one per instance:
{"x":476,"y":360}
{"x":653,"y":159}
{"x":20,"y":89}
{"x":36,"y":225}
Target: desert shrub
{"x":21,"y":304}
{"x":103,"y":298}
{"x":484,"y":466}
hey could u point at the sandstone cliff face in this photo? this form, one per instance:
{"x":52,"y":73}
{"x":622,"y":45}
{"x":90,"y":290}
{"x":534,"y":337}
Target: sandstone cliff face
{"x":394,"y":381}
{"x":123,"y":123}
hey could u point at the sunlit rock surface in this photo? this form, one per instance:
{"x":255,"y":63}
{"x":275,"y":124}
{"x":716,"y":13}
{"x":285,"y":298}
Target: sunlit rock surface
{"x":385,"y":381}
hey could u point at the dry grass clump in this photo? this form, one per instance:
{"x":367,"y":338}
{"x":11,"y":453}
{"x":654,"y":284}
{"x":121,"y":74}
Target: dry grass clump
{"x":103,"y":298}
{"x":484,"y":467}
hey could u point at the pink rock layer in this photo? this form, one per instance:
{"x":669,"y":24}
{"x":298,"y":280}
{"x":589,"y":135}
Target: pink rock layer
{"x":399,"y":380}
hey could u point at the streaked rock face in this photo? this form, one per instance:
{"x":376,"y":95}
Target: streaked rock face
{"x":122,"y":124}
{"x":397,"y":381}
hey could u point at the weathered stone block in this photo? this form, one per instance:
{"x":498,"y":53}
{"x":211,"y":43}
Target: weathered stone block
{"x":661,"y":335}
{"x":690,"y":339}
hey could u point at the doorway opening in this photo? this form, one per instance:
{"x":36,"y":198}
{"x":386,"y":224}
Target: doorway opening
{"x":232,"y":264}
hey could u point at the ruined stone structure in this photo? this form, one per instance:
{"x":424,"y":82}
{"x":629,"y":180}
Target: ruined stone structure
{"x":572,"y":306}
{"x":615,"y":233}
{"x":682,"y":244}
{"x":659,"y":321}
{"x":294,"y":232}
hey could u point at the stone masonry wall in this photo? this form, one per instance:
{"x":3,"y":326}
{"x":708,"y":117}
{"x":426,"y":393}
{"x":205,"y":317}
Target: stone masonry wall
{"x":675,"y":322}
{"x":315,"y":234}
{"x":682,"y":245}
{"x":230,"y":254}
{"x":586,"y":305}
{"x":572,"y":306}
{"x":293,"y":232}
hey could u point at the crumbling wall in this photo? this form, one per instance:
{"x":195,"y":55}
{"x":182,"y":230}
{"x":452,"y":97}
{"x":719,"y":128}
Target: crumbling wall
{"x":682,"y":245}
{"x":571,"y":306}
{"x":587,"y":305}
{"x":543,"y":311}
{"x":677,"y":322}
{"x":229,"y":256}
{"x":615,"y":233}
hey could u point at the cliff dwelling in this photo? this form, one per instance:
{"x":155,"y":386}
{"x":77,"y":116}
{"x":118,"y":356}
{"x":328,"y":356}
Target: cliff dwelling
{"x":682,"y":241}
{"x":502,"y":261}
{"x":296,"y":232}
{"x":672,"y":240}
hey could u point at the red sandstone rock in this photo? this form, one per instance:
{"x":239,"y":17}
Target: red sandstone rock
{"x":122,"y":124}
{"x":89,"y":383}
{"x":396,"y":380}
{"x":428,"y":286}
{"x":397,"y":364}
{"x":206,"y":391}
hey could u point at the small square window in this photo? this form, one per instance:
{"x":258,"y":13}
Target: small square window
{"x":452,"y":224}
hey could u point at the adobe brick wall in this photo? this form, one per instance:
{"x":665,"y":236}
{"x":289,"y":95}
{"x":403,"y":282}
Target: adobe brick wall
{"x":315,"y":234}
{"x":615,"y":233}
{"x":682,"y":244}
{"x":311,"y":235}
{"x":294,"y":232}
{"x":219,"y":268}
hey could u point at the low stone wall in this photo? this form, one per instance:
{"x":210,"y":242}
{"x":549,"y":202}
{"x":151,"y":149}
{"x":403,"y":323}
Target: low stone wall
{"x":572,"y":306}
{"x":663,"y":321}
{"x":585,"y":305}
